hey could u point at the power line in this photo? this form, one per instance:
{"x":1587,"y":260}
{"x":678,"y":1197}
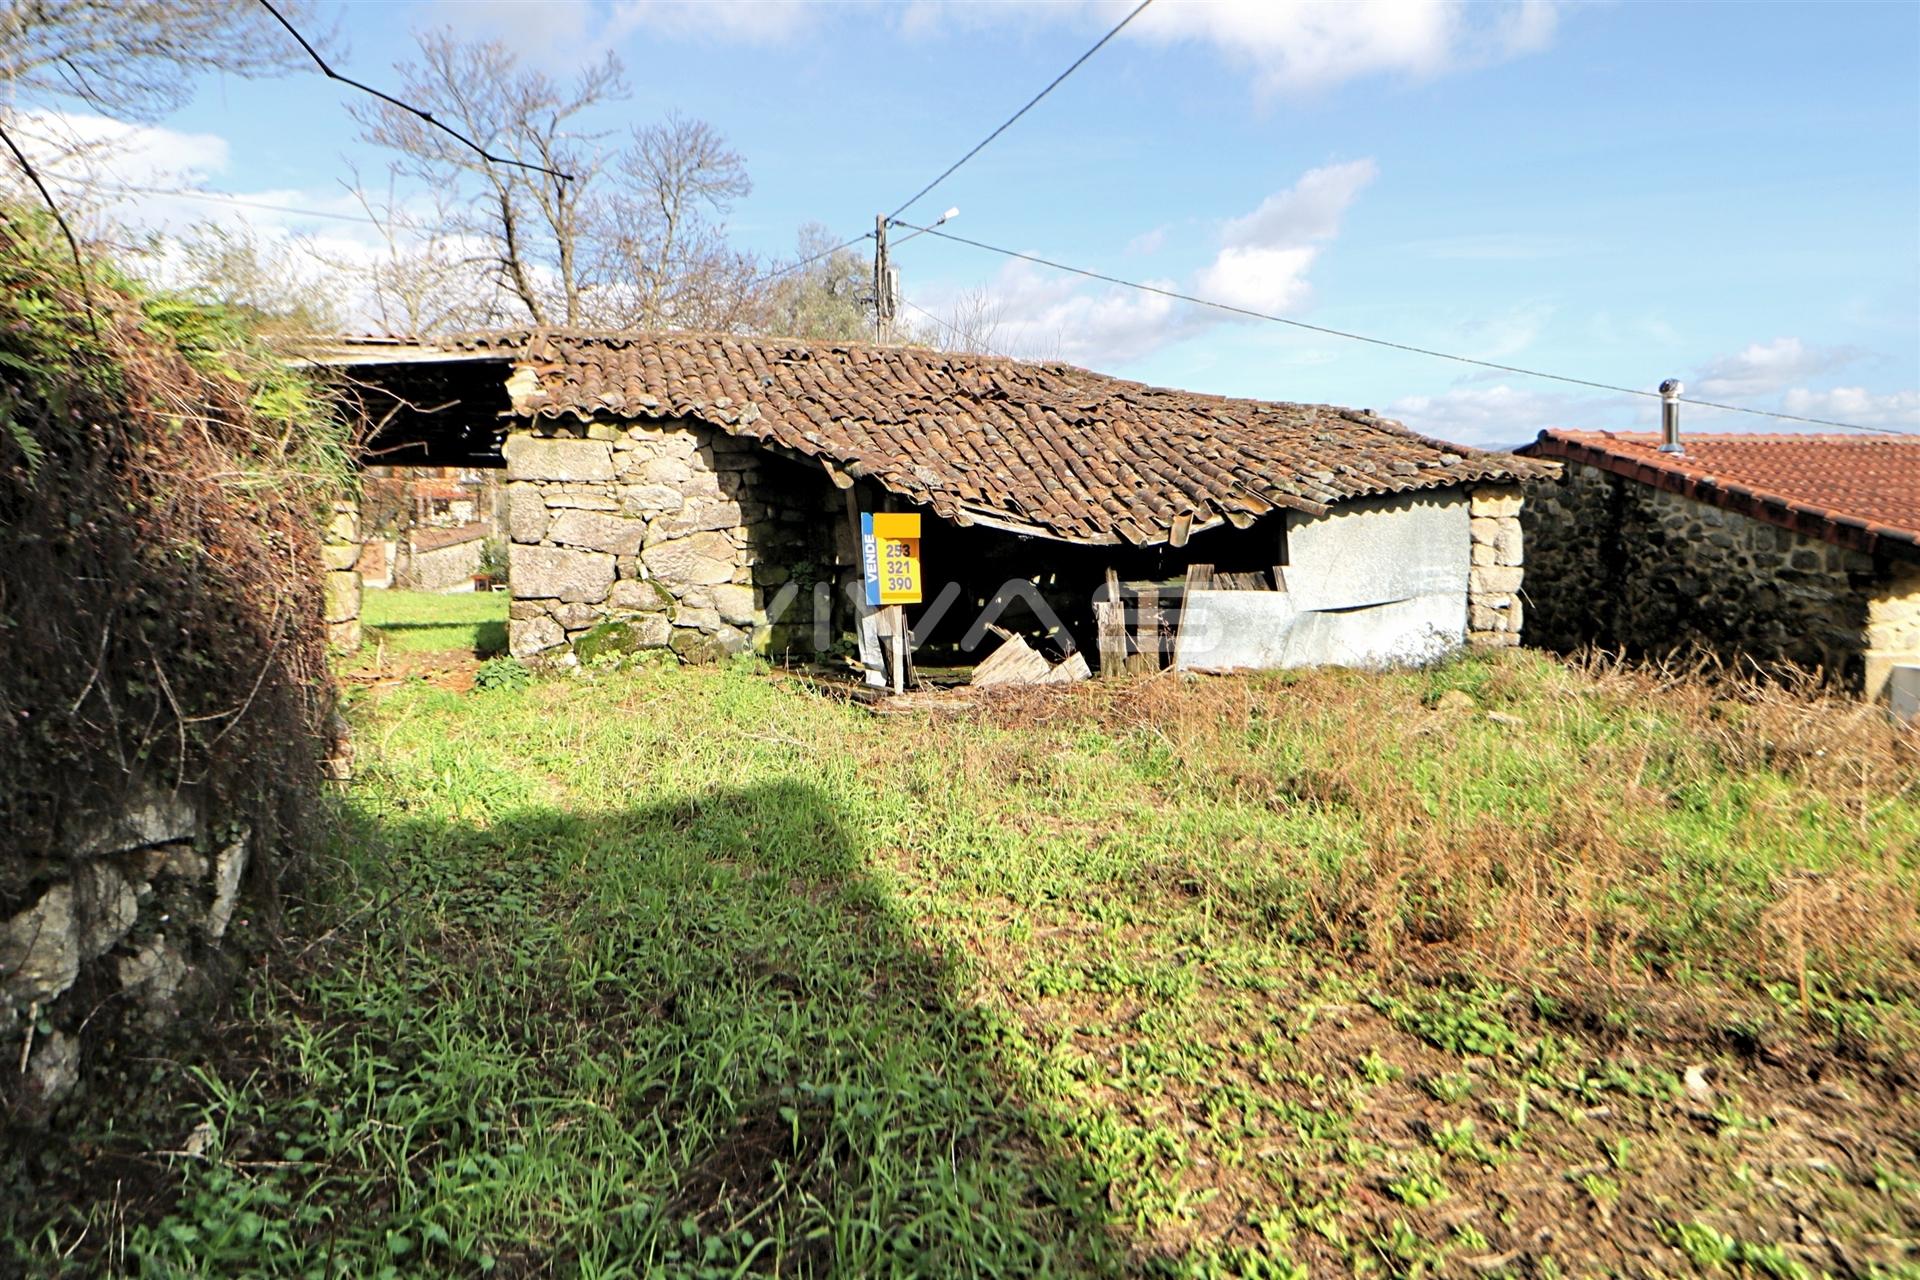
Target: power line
{"x":807,"y":262}
{"x":953,"y":328}
{"x":219,"y":197}
{"x":979,"y":146}
{"x":408,"y":107}
{"x":1396,"y":346}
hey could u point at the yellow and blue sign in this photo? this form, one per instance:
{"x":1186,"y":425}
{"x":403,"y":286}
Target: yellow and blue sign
{"x":890,"y":556}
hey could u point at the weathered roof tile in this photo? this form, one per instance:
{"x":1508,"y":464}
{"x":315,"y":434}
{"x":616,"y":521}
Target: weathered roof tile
{"x":1073,"y":454}
{"x":1858,"y":491}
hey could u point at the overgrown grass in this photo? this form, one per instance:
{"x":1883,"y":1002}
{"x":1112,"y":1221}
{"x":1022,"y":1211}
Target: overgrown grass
{"x":1497,"y":969}
{"x":425,"y":622}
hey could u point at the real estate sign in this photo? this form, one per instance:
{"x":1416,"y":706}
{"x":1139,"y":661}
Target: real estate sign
{"x":890,"y":556}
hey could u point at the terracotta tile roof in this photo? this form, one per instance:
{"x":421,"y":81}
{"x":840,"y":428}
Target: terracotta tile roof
{"x":432,"y":539}
{"x":1860,"y":491}
{"x":1044,"y":448}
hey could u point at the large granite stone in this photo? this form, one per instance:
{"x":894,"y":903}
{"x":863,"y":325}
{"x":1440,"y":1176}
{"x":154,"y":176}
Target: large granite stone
{"x":697,"y":516}
{"x":531,"y":457}
{"x":526,"y":513}
{"x":559,"y":573}
{"x":597,"y":532}
{"x":40,"y":948}
{"x":703,"y":559}
{"x":536,"y":635}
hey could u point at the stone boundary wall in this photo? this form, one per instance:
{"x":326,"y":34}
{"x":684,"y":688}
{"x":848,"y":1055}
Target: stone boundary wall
{"x":123,"y":930}
{"x":342,"y":589}
{"x":1494,"y":611}
{"x":449,"y":566}
{"x":670,"y":535}
{"x":1633,"y":568}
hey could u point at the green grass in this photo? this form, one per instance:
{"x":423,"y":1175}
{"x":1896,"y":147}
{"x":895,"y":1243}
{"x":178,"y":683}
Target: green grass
{"x":423,"y":622}
{"x":689,"y":973}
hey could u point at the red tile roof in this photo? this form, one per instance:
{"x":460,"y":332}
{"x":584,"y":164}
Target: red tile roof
{"x":1045,"y":448}
{"x":432,"y":539}
{"x":1860,"y":491}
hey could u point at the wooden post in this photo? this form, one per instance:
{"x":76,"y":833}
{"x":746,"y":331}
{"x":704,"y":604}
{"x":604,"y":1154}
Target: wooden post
{"x":1110,"y":620}
{"x":1146,"y":631}
{"x":895,"y":622}
{"x":866,"y":621}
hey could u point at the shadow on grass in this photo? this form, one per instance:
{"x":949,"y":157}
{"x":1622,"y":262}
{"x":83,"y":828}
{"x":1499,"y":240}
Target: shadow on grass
{"x":684,"y":1040}
{"x":489,"y":638}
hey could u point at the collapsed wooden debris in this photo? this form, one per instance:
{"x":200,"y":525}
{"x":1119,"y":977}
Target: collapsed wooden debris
{"x":1017,"y":662}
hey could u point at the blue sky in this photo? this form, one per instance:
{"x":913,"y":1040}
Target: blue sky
{"x":1622,"y":192}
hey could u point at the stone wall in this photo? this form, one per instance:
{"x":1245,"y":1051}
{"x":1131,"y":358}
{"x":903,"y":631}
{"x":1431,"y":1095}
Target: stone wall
{"x":1893,"y":626}
{"x":121,"y":932}
{"x":439,"y":559}
{"x":340,"y":551}
{"x":1633,"y":568}
{"x":1494,"y":611}
{"x":661,"y":536}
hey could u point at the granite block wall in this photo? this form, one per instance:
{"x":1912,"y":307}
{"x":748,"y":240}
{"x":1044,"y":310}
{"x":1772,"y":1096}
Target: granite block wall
{"x":1626,"y":566}
{"x":672,"y":535}
{"x":1494,"y":610}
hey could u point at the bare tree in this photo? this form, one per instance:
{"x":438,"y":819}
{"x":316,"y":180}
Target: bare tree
{"x":668,"y":260}
{"x":422,"y":280}
{"x":274,"y":285}
{"x":537,"y":224}
{"x":128,"y":57}
{"x":972,"y":324}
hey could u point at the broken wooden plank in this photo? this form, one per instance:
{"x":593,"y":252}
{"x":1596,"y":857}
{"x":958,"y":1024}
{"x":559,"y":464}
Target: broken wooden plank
{"x":1073,"y":668}
{"x":1014,"y":662}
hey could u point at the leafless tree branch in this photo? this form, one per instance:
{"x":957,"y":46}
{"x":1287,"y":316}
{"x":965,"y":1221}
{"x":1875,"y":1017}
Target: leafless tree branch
{"x":388,"y":98}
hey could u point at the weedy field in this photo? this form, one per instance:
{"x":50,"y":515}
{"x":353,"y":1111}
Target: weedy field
{"x":1504,"y":968}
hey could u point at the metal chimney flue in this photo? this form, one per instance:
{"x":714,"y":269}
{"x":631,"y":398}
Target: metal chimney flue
{"x":1670,"y":417}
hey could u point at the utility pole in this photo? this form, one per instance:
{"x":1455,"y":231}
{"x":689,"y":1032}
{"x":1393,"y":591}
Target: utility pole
{"x":882,"y":282}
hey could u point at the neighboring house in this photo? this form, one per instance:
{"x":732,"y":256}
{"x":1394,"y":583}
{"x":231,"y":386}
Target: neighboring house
{"x":408,"y":497}
{"x":1803,"y":548}
{"x":425,"y":559}
{"x":682,"y":486}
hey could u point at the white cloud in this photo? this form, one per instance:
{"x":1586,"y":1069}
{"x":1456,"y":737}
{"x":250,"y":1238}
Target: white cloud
{"x":113,"y":179}
{"x":1502,"y":416}
{"x":1259,"y":279}
{"x":1046,"y":316}
{"x":1309,"y":210}
{"x":89,"y":146}
{"x":1294,"y":46}
{"x":1147,"y":242}
{"x":741,"y":21}
{"x":1857,"y":405}
{"x":1262,"y":265}
{"x":1285,"y":46}
{"x":1767,"y":367}
{"x":1266,"y":254}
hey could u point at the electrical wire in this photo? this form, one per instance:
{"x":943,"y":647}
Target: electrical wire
{"x":968,"y":342}
{"x":218,"y":197}
{"x":981,"y":145}
{"x":807,"y":262}
{"x":1396,"y":346}
{"x":408,"y":107}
